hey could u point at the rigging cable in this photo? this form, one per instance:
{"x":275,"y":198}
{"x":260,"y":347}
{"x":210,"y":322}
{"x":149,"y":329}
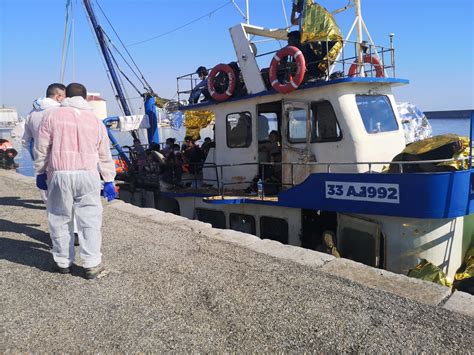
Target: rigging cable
{"x":148,"y":86}
{"x":121,"y":72}
{"x":73,"y":43}
{"x":284,"y":12}
{"x":105,"y":65}
{"x":65,"y":43}
{"x":182,"y":26}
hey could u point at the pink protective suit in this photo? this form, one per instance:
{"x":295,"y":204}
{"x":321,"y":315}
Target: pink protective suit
{"x":71,"y":138}
{"x":73,"y":148}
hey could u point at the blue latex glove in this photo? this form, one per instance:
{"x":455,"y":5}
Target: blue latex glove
{"x":41,"y":181}
{"x":109,"y":191}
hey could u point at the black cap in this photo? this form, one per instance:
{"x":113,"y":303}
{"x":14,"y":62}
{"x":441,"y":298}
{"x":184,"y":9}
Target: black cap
{"x":201,"y":70}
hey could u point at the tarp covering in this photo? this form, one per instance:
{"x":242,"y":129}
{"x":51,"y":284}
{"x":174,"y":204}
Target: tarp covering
{"x":429,"y":272}
{"x":444,"y":146}
{"x":194,"y":121}
{"x":415,"y":124}
{"x":317,"y":24}
{"x":464,"y":277}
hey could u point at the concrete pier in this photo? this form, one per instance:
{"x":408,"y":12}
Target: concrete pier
{"x":179,"y":285}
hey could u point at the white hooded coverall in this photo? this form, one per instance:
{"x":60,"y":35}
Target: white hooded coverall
{"x":73,"y":148}
{"x":32,"y":124}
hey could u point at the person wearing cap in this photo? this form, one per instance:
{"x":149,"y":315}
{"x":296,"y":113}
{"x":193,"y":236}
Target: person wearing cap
{"x":200,"y":88}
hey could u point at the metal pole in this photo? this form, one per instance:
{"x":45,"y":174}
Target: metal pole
{"x":392,"y":54}
{"x":360,"y":59}
{"x":105,"y":52}
{"x":115,"y":144}
{"x":247,"y":12}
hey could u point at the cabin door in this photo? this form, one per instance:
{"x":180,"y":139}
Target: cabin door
{"x":237,"y":148}
{"x":296,"y":131}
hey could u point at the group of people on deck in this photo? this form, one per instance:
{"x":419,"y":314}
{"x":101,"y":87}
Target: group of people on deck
{"x":171,"y":161}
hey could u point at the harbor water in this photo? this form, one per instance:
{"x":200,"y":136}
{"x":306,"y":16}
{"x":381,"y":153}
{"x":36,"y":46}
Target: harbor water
{"x":439,"y":126}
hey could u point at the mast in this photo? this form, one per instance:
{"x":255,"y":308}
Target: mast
{"x":105,"y":52}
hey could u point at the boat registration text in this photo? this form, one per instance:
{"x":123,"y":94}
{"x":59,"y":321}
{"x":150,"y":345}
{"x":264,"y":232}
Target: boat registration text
{"x":359,"y":191}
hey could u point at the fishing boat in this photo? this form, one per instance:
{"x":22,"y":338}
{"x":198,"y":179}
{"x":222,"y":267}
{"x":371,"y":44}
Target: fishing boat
{"x":335,"y":183}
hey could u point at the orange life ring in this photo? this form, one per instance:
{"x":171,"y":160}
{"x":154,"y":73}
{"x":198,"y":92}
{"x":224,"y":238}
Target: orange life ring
{"x":293,"y":83}
{"x":369,"y":59}
{"x":221,"y":68}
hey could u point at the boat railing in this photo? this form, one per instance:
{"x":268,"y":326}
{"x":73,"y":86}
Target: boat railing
{"x":220,"y":181}
{"x":379,"y":61}
{"x":225,"y":185}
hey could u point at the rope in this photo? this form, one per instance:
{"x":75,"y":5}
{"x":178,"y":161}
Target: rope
{"x":182,"y":26}
{"x":73,"y":43}
{"x":121,"y":72}
{"x":284,"y":12}
{"x":120,"y":54}
{"x":104,"y":64}
{"x":65,"y":43}
{"x":147,"y":86}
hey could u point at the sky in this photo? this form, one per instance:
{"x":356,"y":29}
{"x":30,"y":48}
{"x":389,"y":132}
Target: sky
{"x":434,"y":42}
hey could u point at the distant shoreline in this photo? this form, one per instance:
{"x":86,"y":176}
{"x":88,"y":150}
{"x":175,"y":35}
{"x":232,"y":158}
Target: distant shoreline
{"x":454,"y":114}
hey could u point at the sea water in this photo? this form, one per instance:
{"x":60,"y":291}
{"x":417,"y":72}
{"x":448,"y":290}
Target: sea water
{"x":439,"y":126}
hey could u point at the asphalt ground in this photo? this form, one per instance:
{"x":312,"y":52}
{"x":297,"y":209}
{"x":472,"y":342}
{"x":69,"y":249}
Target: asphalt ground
{"x":173,"y":289}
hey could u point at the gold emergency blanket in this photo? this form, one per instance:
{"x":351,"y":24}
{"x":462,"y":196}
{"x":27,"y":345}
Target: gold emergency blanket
{"x":432,"y":143}
{"x":467,"y":269}
{"x":318,"y":24}
{"x":429,"y":272}
{"x":194,"y":121}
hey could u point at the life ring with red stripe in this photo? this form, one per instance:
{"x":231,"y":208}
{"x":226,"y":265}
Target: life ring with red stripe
{"x":211,"y":83}
{"x":368,"y":59}
{"x":295,"y":81}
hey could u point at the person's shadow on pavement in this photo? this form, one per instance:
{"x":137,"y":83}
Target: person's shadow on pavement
{"x":19,"y":202}
{"x":30,"y":253}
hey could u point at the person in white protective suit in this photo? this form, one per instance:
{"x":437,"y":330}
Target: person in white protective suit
{"x":55,"y":94}
{"x":71,"y":151}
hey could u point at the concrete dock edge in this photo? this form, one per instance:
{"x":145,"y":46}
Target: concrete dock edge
{"x":400,"y":285}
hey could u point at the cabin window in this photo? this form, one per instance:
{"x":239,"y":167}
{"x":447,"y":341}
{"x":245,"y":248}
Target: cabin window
{"x":243,"y":223}
{"x":377,"y":114}
{"x":325,"y":126}
{"x":267,"y":122}
{"x":239,"y":130}
{"x":296,"y":125}
{"x":215,"y":218}
{"x":274,"y":229}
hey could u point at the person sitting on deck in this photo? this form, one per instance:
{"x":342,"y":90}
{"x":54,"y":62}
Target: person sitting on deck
{"x":138,"y":155}
{"x":207,"y":145}
{"x":200,"y":88}
{"x":294,"y":39}
{"x":168,"y":146}
{"x":319,"y":30}
{"x":271,"y":174}
{"x":194,"y":156}
{"x":172,"y":170}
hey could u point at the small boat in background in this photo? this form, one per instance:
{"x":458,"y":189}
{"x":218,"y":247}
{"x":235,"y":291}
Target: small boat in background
{"x":8,"y":118}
